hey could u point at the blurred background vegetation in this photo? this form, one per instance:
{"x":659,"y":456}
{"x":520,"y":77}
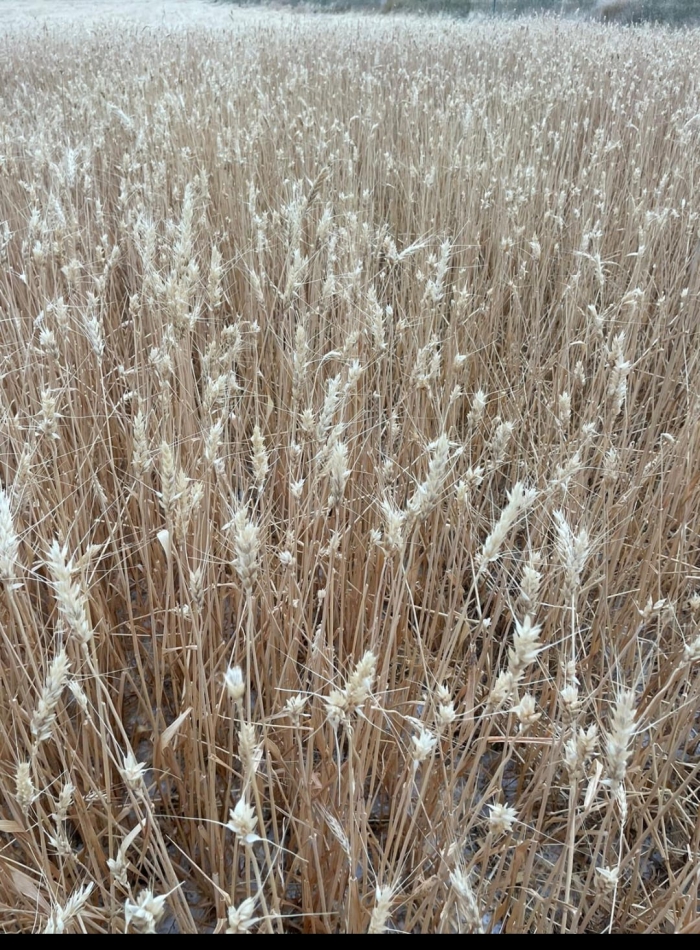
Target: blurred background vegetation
{"x":677,"y":12}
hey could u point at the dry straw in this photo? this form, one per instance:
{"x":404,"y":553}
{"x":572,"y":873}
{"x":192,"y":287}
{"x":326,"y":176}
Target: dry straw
{"x":350,"y":507}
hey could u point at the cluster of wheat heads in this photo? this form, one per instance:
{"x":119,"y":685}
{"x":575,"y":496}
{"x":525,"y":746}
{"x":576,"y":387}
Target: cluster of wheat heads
{"x":349,"y":478}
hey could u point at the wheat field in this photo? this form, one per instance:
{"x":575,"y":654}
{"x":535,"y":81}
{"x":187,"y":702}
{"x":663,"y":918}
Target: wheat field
{"x":349,"y":476}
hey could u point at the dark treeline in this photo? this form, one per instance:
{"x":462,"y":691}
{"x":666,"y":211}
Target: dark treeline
{"x":673,"y":12}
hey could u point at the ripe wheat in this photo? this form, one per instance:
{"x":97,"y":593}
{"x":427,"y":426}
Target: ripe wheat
{"x":349,"y":505}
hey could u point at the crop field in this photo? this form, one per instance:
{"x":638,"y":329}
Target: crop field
{"x":349,"y":473}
